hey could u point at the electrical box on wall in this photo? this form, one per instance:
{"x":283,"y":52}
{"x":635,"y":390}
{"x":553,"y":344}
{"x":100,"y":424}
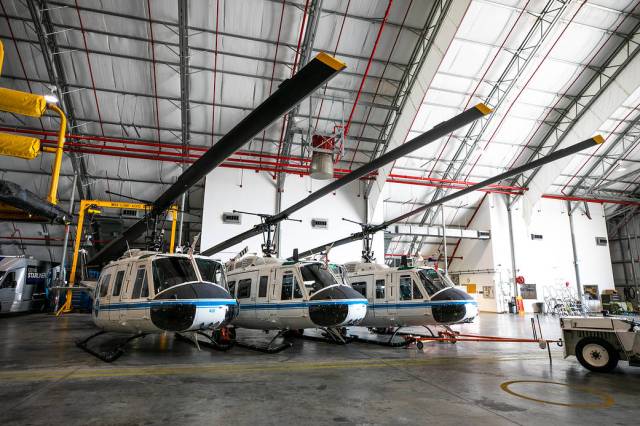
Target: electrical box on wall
{"x":319,"y":223}
{"x":233,"y":218}
{"x":601,"y":241}
{"x":536,"y":236}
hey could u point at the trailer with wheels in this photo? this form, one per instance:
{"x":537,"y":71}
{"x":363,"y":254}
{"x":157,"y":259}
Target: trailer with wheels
{"x":600,"y":342}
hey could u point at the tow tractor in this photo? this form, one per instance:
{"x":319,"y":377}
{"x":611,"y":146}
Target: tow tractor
{"x":600,"y":342}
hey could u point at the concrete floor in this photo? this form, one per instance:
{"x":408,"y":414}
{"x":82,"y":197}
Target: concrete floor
{"x":45,"y":379}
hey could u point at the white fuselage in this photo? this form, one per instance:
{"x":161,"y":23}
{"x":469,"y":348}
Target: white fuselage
{"x":274,"y":296}
{"x":401,"y":297}
{"x":129,"y":298}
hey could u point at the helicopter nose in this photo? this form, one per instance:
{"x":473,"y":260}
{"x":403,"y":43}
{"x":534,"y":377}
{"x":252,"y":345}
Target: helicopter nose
{"x":193,"y":306}
{"x":337,"y":306}
{"x":453,"y":305}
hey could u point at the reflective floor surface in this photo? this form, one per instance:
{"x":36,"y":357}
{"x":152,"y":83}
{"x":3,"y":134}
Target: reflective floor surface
{"x":45,"y":379}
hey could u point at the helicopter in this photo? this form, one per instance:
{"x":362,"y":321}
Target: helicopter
{"x":146,"y":292}
{"x":407,"y":296}
{"x":275,"y":294}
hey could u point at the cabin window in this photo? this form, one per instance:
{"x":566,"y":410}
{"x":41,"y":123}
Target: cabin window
{"x":360,"y":287}
{"x":433,"y":281}
{"x":104,"y":286}
{"x":9,"y":280}
{"x":141,"y":282}
{"x":171,"y":271}
{"x":244,"y":289}
{"x":290,"y":288}
{"x":417,"y":294}
{"x":118,"y":284}
{"x":405,"y":287}
{"x":380,"y":285}
{"x":262,"y":290}
{"x":232,"y":288}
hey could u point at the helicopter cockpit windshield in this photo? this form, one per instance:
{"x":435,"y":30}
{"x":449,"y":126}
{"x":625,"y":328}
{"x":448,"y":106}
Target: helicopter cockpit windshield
{"x":171,"y":271}
{"x":316,"y":277}
{"x":211,"y":271}
{"x":433,"y":281}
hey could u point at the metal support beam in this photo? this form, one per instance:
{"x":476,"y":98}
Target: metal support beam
{"x":436,"y":232}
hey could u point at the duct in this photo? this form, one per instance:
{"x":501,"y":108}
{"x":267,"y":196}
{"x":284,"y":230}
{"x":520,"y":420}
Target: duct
{"x":437,"y":231}
{"x":318,"y":71}
{"x":22,"y":103}
{"x":25,"y":200}
{"x":18,"y":146}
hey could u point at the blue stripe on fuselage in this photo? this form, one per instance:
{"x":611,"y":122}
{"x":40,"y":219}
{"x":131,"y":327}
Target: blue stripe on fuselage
{"x":299,"y":305}
{"x":200,"y":303}
{"x":409,"y":305}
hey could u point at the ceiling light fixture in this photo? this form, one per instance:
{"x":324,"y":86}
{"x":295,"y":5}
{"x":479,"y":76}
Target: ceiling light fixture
{"x":51,"y":99}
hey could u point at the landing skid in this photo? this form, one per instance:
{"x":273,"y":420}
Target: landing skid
{"x":270,"y":348}
{"x":389,"y":343}
{"x":218,"y":340}
{"x":331,"y":335}
{"x":107,"y":356}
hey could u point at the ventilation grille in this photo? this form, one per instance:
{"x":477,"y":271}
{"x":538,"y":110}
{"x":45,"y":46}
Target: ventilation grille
{"x":129,"y":212}
{"x":319,"y":223}
{"x":234,"y":218}
{"x":601,"y":241}
{"x":536,"y":236}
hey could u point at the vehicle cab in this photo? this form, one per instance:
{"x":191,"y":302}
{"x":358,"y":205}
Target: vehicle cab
{"x":276,"y":294}
{"x":405,"y":296}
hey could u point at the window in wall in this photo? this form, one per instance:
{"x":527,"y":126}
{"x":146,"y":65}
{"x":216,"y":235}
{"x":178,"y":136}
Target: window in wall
{"x":380,"y":286}
{"x":405,"y":287}
{"x":9,"y":280}
{"x":262,"y":290}
{"x":244,"y":289}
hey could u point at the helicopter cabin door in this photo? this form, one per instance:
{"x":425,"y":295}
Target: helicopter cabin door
{"x":101,"y":297}
{"x":137,"y":293}
{"x":392,"y":294}
{"x":287,"y":294}
{"x":364,"y":285}
{"x":118,"y":311}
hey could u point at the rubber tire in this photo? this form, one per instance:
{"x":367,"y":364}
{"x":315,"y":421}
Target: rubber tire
{"x":612,"y":352}
{"x":419,"y":345}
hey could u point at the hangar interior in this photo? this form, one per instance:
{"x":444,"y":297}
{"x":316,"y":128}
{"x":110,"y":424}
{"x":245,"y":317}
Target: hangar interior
{"x":157,"y":95}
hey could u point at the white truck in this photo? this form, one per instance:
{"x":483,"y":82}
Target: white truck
{"x":600,"y":342}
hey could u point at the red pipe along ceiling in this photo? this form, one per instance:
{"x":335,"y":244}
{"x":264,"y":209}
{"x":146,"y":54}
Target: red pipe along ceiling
{"x":292,"y":165}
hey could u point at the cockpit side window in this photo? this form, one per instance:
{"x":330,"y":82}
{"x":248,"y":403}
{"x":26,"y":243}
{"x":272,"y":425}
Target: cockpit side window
{"x":380,"y":287}
{"x":104,"y":285}
{"x":210,"y":270}
{"x":433,"y":281}
{"x":360,"y":287}
{"x":244,"y":288}
{"x":405,"y":287}
{"x":9,"y":280}
{"x":118,"y":284}
{"x":232,"y":288}
{"x":141,"y":281}
{"x":417,"y":294}
{"x":290,"y":287}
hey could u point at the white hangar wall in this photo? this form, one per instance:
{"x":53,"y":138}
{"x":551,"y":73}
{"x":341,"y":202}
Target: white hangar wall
{"x":546,"y":262}
{"x":229,"y":189}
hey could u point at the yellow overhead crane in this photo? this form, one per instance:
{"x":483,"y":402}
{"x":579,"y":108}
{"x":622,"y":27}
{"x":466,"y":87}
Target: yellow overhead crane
{"x":28,"y":148}
{"x":94,"y":207}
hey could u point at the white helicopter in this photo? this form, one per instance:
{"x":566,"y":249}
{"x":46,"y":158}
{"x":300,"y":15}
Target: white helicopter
{"x":409,"y":296}
{"x":147,"y":292}
{"x":275,"y":294}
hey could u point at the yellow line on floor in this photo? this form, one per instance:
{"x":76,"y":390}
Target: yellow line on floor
{"x":239,"y":368}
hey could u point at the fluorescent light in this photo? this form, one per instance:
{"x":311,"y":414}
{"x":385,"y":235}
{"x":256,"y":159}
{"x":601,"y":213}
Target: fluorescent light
{"x":621,"y":169}
{"x":51,"y":99}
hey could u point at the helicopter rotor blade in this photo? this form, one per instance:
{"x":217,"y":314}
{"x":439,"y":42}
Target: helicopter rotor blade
{"x":420,"y":141}
{"x":588,"y":143}
{"x":290,"y":93}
